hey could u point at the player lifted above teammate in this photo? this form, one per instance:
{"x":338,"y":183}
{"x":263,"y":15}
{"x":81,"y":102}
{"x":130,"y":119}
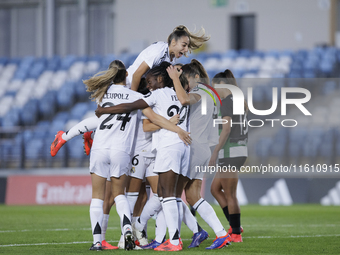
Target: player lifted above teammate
{"x":179,"y":42}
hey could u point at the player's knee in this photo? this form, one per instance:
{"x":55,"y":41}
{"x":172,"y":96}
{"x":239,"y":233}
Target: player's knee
{"x":214,"y":191}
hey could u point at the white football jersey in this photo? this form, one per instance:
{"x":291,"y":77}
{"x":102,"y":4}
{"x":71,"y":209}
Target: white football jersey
{"x":153,"y":55}
{"x":165,"y":103}
{"x":201,"y":125}
{"x":117,"y":131}
{"x":143,"y":140}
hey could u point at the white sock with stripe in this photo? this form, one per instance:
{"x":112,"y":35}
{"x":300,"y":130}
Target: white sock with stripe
{"x":160,"y":230}
{"x":105,"y":223}
{"x":151,"y":207}
{"x":209,"y":216}
{"x":189,"y":219}
{"x":131,"y":198}
{"x":180,"y":213}
{"x":170,"y":210}
{"x":123,"y":211}
{"x":96,"y":216}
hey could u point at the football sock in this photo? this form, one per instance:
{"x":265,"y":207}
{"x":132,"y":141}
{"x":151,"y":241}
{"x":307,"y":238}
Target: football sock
{"x":105,"y":223}
{"x":123,"y":211}
{"x":151,"y":207}
{"x":80,"y":128}
{"x":170,"y":210}
{"x":235,"y":223}
{"x":180,"y":213}
{"x":96,"y":216}
{"x":189,"y":219}
{"x":209,"y":216}
{"x":131,"y":198}
{"x":226,"y":212}
{"x":148,"y":189}
{"x":160,"y":230}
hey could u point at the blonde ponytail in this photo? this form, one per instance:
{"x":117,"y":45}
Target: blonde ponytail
{"x":100,"y":82}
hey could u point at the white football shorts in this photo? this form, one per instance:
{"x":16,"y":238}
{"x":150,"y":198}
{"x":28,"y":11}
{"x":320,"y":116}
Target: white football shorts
{"x":110,"y":163}
{"x":173,"y":157}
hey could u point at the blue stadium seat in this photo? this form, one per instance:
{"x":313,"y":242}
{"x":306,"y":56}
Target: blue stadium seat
{"x":80,"y":89}
{"x":230,"y":54}
{"x":34,"y":150}
{"x":75,"y":148}
{"x":3,"y":60}
{"x":79,"y":110}
{"x":42,"y":129}
{"x":63,"y":116}
{"x":92,"y":106}
{"x":66,"y":96}
{"x":67,"y":62}
{"x":53,"y":63}
{"x":12,"y":118}
{"x":245,"y":53}
{"x":48,"y":105}
{"x":29,"y":113}
{"x":36,"y":70}
{"x":107,"y":60}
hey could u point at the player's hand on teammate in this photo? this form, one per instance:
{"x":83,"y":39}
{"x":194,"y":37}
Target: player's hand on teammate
{"x":174,"y":119}
{"x":173,"y":72}
{"x":184,"y":136}
{"x":98,"y":111}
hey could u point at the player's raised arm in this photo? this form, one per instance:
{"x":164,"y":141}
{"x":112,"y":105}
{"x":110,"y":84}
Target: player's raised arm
{"x":137,"y":75}
{"x":182,"y":96}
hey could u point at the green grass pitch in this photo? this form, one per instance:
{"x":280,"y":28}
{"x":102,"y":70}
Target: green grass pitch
{"x":298,"y":229}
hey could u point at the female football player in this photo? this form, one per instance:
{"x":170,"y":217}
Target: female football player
{"x":172,"y":157}
{"x":112,"y":147}
{"x":200,"y":129}
{"x":233,"y":139}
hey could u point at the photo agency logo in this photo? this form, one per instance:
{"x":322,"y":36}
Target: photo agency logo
{"x":239,"y":106}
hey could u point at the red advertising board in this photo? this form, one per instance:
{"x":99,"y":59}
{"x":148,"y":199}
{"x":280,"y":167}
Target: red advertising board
{"x":29,"y":190}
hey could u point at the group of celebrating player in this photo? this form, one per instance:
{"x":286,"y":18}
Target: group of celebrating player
{"x":149,"y":126}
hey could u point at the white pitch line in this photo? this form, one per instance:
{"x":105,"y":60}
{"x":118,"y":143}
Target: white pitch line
{"x":309,"y":236}
{"x":50,"y":230}
{"x":113,"y":228}
{"x":116,"y":241}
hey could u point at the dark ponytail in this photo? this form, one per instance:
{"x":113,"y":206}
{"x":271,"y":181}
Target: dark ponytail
{"x":227,"y":77}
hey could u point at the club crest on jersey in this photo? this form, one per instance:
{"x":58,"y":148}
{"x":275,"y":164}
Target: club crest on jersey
{"x":133,"y":170}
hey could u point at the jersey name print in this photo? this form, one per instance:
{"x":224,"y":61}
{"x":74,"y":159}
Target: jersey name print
{"x":116,"y":96}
